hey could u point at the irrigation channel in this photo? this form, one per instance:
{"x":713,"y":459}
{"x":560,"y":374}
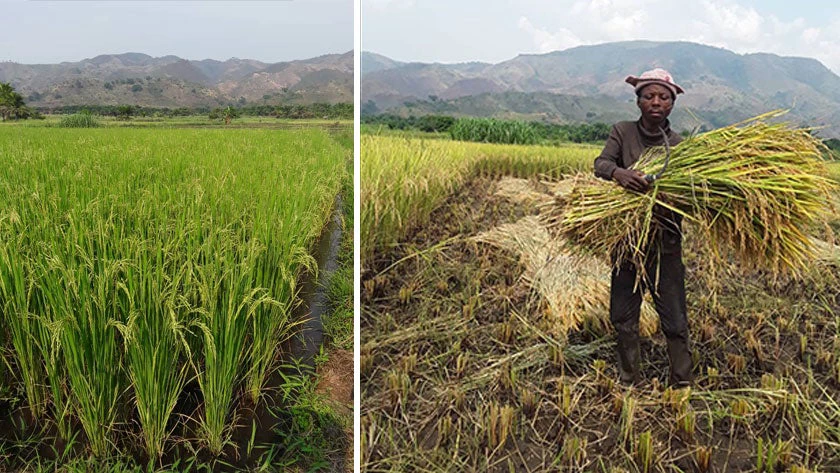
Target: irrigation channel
{"x":256,"y":430}
{"x":301,"y":349}
{"x":313,"y":294}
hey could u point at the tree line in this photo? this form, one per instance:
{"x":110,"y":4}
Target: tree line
{"x":337,"y":111}
{"x":493,"y":130}
{"x":13,"y":106}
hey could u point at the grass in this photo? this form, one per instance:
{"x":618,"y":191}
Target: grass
{"x":136,"y":262}
{"x":462,"y":370}
{"x":79,"y":120}
{"x":491,"y":130}
{"x":338,"y":323}
{"x":311,"y":430}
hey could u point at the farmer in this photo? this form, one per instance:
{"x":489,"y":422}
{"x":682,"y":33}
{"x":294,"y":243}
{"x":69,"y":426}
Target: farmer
{"x":665,"y":273}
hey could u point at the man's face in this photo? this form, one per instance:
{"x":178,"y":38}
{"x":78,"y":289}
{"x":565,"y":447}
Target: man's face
{"x":655,"y":103}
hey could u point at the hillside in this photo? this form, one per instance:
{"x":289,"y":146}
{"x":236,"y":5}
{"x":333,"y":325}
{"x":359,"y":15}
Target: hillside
{"x":170,"y":81}
{"x":587,"y":83}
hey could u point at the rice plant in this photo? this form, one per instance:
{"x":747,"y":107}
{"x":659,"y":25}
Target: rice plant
{"x":404,"y":180}
{"x":229,"y":304}
{"x":23,"y":325}
{"x":626,"y":422}
{"x":644,"y":451}
{"x":154,"y":341}
{"x":133,"y":261}
{"x":772,"y":456}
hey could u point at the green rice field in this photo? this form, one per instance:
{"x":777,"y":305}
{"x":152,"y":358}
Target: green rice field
{"x":148,"y":279}
{"x":189,"y":121}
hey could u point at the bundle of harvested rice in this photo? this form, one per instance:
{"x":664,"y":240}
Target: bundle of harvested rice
{"x":753,"y":188}
{"x":574,"y":286}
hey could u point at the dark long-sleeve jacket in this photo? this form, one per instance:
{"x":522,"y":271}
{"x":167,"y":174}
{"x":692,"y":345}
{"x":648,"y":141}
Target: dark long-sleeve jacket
{"x":625,"y":145}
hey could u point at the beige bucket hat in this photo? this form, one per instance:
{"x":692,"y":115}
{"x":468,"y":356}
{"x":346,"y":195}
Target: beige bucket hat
{"x":655,"y":76}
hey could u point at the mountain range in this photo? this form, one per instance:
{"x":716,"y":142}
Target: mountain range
{"x":170,"y":81}
{"x":586,"y":84}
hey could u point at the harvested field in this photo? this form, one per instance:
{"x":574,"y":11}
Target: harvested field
{"x":463,"y":367}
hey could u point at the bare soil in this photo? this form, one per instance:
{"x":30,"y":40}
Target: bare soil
{"x":335,"y":381}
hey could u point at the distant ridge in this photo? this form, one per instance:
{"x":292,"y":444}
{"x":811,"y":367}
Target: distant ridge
{"x":170,"y":81}
{"x":586,"y":83}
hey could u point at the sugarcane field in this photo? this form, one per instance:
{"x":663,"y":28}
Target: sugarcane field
{"x":175,"y":297}
{"x":486,"y":340}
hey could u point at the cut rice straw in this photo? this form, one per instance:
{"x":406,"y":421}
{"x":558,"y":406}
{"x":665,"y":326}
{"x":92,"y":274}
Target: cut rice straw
{"x":754,"y":188}
{"x":574,"y":286}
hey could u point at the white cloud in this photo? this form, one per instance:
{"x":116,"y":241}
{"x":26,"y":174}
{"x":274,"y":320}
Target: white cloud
{"x":810,"y":35}
{"x":825,"y":45}
{"x":545,"y":41}
{"x":722,"y":23}
{"x":620,"y":26}
{"x":732,"y":21}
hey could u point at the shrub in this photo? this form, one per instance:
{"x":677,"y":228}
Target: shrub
{"x":83,"y":119}
{"x":435,"y":123}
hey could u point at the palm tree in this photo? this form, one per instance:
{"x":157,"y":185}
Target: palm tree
{"x":229,"y":113}
{"x":11,"y":103}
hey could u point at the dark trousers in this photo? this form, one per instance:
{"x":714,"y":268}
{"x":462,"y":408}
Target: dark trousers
{"x":665,"y":279}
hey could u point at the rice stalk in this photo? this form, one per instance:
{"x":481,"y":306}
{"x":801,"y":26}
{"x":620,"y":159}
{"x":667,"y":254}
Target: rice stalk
{"x":15,"y":300}
{"x":753,"y":188}
{"x":575,"y":286}
{"x":154,"y":344}
{"x":228,"y":306}
{"x":87,"y":314}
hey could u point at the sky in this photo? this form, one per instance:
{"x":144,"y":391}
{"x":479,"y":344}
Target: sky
{"x":496,"y":30}
{"x":46,"y":32}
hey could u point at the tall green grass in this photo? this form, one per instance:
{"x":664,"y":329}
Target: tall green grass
{"x":79,"y":120}
{"x":133,"y":261}
{"x":338,"y":323}
{"x":492,"y":130}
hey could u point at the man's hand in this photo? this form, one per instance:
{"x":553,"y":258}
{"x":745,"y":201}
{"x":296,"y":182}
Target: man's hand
{"x":631,"y":179}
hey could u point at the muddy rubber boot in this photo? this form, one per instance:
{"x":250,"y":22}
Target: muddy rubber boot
{"x":681,"y":364}
{"x":628,"y":358}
